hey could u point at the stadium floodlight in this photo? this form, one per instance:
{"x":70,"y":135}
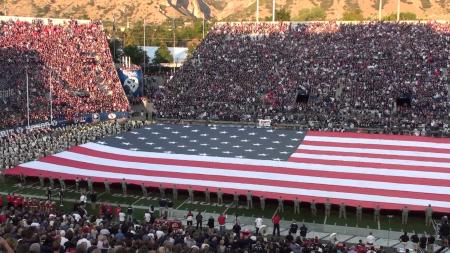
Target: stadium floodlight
{"x":273,"y":10}
{"x":257,"y":10}
{"x":379,"y":9}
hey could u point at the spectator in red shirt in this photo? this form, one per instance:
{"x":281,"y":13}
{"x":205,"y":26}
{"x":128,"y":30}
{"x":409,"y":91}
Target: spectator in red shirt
{"x":9,"y":200}
{"x":117,"y":210}
{"x":276,"y":224}
{"x":222,"y":218}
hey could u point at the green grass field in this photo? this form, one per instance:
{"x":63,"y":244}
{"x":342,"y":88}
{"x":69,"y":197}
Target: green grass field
{"x":135,"y":197}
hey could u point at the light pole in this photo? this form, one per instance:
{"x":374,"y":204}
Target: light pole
{"x":173,"y":50}
{"x":145,"y":49}
{"x":273,"y":10}
{"x":257,"y":10}
{"x":398,"y":10}
{"x":379,"y":9}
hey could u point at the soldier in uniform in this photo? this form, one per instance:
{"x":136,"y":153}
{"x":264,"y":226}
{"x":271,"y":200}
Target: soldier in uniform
{"x":313,"y":208}
{"x":405,"y":212}
{"x":327,"y":208}
{"x":175,"y":192}
{"x":262,"y":201}
{"x":376,"y":213}
{"x":61,"y":196}
{"x":280,"y":205}
{"x":358,"y":213}
{"x":296,"y":206}
{"x":219,"y":196}
{"x":428,"y":215}
{"x":342,"y":211}
{"x":191,"y":194}
{"x":235,"y":199}
{"x":162,"y":191}
{"x":207,"y":196}
{"x":249,"y":200}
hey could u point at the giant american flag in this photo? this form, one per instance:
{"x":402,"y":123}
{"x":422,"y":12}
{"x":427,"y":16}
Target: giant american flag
{"x":357,"y":169}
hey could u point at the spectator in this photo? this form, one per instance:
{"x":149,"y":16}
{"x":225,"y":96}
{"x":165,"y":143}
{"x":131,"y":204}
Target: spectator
{"x":276,"y":224}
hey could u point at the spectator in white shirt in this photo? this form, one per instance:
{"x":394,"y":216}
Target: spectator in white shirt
{"x":258,"y":224}
{"x":370,"y":239}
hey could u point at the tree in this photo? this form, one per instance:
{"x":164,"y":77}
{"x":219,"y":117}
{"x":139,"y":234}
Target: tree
{"x":191,"y":49}
{"x":162,"y":55}
{"x":312,"y":14}
{"x":403,"y":16}
{"x":355,"y":15}
{"x":114,"y":43}
{"x":280,"y":15}
{"x":136,"y":54}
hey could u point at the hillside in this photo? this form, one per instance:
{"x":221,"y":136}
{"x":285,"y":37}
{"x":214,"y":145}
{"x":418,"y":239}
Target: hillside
{"x":157,"y":11}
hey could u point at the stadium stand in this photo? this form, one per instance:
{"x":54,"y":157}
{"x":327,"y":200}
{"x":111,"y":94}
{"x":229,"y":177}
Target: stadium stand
{"x":391,"y":77}
{"x":72,"y":58}
{"x":19,"y":148}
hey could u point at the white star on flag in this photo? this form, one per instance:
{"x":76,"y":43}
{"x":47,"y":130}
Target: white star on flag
{"x":181,"y":146}
{"x":270,"y":131}
{"x":101,"y":142}
{"x":289,"y":146}
{"x":167,"y":128}
{"x":163,"y":138}
{"x":226,"y":152}
{"x":134,"y":133}
{"x":194,"y":130}
{"x":213,"y":139}
{"x":215,"y":148}
{"x":191,"y":150}
{"x":126,"y":143}
{"x":252,"y":133}
{"x":270,"y":148}
{"x":277,"y":159}
{"x":233,"y":136}
{"x":241,"y":129}
{"x":204,"y":135}
{"x":155,"y":133}
{"x":147,"y":128}
{"x":186,"y":126}
{"x":203,"y":154}
{"x":175,"y":132}
{"x":142,"y":138}
{"x":133,"y":149}
{"x":263,"y":138}
{"x":236,"y":146}
{"x":204,"y":144}
{"x":283,"y":152}
{"x":224,"y":142}
{"x":223,"y":132}
{"x":262,"y":155}
{"x":193,"y":141}
{"x":249,"y":150}
{"x":184,"y":137}
{"x":172,"y":142}
{"x":276,"y":142}
{"x":239,"y":156}
{"x":256,"y":144}
{"x":168,"y":152}
{"x":282,"y":135}
{"x":295,"y":139}
{"x":244,"y":140}
{"x":149,"y":143}
{"x":119,"y":137}
{"x":157,"y":147}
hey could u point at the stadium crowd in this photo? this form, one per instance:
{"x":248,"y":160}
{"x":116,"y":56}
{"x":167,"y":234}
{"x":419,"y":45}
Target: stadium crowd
{"x":36,"y":226}
{"x":324,"y":76}
{"x":20,"y":148}
{"x":73,"y":60}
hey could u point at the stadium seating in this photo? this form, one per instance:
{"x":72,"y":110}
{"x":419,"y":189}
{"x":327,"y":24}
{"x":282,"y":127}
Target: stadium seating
{"x":328,"y":76}
{"x":73,"y":59}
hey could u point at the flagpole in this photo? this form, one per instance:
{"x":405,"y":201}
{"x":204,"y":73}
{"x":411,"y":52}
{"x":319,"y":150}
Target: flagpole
{"x":51,"y":99}
{"x":145,"y":49}
{"x":257,"y":10}
{"x":379,"y":9}
{"x":273,"y":11}
{"x":28,"y":98}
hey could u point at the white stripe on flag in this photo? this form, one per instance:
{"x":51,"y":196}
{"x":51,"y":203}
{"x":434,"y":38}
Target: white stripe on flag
{"x":377,"y":142}
{"x":374,"y":151}
{"x":372,"y":160}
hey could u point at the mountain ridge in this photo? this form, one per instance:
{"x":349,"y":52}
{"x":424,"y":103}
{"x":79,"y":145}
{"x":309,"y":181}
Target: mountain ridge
{"x":158,"y":11}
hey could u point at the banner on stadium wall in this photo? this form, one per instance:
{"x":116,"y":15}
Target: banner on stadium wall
{"x":264,"y":122}
{"x":132,"y":81}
